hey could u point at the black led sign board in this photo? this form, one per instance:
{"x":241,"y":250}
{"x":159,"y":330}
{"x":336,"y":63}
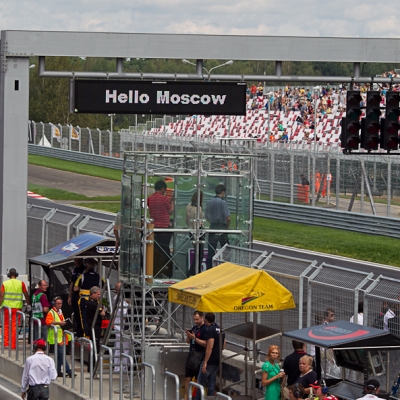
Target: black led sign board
{"x":137,"y":97}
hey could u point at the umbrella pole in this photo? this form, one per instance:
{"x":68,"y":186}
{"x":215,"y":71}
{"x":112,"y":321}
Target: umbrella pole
{"x":254,"y":356}
{"x":220,"y":354}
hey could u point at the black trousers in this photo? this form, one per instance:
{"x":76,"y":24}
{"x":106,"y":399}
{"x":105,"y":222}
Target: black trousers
{"x":38,"y":392}
{"x":77,"y":315}
{"x":162,"y":260}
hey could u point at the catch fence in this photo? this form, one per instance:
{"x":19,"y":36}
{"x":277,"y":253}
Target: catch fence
{"x":282,"y":169}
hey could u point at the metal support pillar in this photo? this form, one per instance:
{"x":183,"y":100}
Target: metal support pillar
{"x":389,"y":185}
{"x":14,"y":115}
{"x":272,"y":177}
{"x":278,"y":68}
{"x":371,"y":199}
{"x":337,"y":183}
{"x":356,"y":70}
{"x":199,"y":67}
{"x":313,"y":181}
{"x":291,"y":178}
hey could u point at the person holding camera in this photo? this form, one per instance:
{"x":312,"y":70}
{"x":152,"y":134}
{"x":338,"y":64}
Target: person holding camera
{"x":196,"y":337}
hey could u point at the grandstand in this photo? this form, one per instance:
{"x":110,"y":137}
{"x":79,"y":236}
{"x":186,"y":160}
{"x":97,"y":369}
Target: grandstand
{"x":254,"y":125}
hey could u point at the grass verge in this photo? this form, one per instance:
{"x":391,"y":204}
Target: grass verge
{"x":379,"y":249}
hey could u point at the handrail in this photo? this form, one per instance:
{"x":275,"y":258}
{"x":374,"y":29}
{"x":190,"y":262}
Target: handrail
{"x":110,"y":365}
{"x":24,"y":337}
{"x":199,"y":387}
{"x":153,"y":380}
{"x":220,"y":395}
{"x":65,"y":336}
{"x":55,"y":328}
{"x":130,"y":359}
{"x":32,"y":327}
{"x":90,"y":343}
{"x":173,"y":376}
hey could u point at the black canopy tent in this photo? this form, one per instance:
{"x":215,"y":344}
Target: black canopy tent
{"x":56,"y":265}
{"x":355,"y":347}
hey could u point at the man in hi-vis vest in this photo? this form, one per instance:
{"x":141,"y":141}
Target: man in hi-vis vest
{"x":12,"y":293}
{"x":56,"y":317}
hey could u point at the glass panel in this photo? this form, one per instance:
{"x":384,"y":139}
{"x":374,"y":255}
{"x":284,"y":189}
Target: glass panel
{"x":179,"y":247}
{"x":131,"y":214}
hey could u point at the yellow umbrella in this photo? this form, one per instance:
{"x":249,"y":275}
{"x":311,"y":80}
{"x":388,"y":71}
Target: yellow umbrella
{"x":232,"y":288}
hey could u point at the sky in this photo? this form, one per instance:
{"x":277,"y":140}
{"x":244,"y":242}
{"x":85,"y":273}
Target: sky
{"x":320,"y":18}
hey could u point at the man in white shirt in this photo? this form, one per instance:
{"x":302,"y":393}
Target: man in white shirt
{"x":39,"y":371}
{"x":371,"y":389}
{"x":360,"y":314}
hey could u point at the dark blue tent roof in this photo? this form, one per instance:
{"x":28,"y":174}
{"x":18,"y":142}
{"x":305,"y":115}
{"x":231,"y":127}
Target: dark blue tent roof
{"x":344,"y":334}
{"x":86,"y":245}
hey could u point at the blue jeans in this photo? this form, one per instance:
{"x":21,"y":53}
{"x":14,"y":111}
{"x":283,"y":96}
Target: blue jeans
{"x":210,"y":376}
{"x":213,"y":239}
{"x":60,"y":359}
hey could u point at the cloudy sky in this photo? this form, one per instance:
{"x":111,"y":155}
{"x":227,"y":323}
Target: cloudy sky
{"x":324,"y":18}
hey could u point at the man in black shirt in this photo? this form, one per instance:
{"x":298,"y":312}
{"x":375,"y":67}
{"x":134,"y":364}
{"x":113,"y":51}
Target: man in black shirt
{"x":73,"y":297}
{"x":291,"y":362}
{"x":209,"y":367}
{"x":196,"y":337}
{"x":85,"y":281}
{"x":90,"y":311}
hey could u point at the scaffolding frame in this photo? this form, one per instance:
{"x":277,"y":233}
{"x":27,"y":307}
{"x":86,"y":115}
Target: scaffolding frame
{"x":163,"y":322}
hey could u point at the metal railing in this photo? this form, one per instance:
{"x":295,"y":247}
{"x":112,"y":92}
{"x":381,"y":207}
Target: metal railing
{"x":89,"y":343}
{"x":21,"y":316}
{"x":103,"y":349}
{"x":68,"y":335}
{"x":55,"y":333}
{"x":168,"y":376}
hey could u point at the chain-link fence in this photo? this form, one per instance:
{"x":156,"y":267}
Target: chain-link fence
{"x":48,"y":227}
{"x":294,"y":173}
